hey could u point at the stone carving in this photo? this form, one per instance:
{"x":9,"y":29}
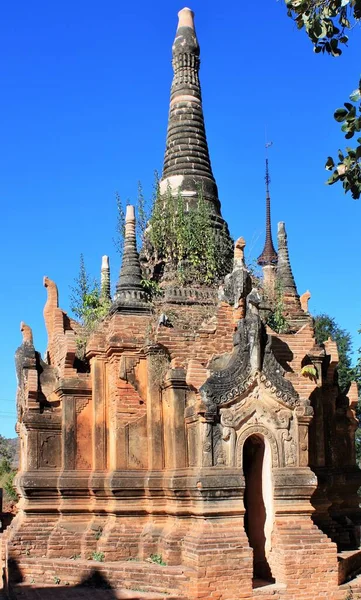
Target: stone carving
{"x":252,"y":357}
{"x":238,"y":283}
{"x":25,"y":360}
{"x":81,"y":403}
{"x":273,"y":377}
{"x":207,"y":444}
{"x":304,"y":299}
{"x":218,"y":453}
{"x":289,"y":449}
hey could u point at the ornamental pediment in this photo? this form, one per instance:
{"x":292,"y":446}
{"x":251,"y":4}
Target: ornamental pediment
{"x":252,"y":363}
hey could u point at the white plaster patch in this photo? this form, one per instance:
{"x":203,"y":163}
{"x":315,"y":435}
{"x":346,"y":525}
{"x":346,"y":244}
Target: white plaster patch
{"x":174,"y":182}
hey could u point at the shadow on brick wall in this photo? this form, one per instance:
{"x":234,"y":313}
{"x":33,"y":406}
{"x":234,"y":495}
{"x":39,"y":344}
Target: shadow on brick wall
{"x":94,"y":586}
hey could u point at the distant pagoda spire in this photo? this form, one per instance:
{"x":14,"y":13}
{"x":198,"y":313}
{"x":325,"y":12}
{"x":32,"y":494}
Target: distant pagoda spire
{"x":187,"y":166}
{"x":129,"y":292}
{"x":269,"y":255}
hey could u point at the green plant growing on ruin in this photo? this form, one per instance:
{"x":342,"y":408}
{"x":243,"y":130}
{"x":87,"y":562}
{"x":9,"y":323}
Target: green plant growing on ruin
{"x":98,"y":533}
{"x":187,"y":240}
{"x":276,"y":319}
{"x":120,"y":225}
{"x":88,"y":305}
{"x":143,"y":210}
{"x":310,"y":372}
{"x":157,"y":559}
{"x":75,"y":557}
{"x":98,"y":556}
{"x":56,"y":580}
{"x":151,"y":288}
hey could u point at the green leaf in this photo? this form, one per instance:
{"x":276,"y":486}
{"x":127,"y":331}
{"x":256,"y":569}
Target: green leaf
{"x":335,"y":177}
{"x":329,"y":164}
{"x":356,"y":95}
{"x":340,"y":114}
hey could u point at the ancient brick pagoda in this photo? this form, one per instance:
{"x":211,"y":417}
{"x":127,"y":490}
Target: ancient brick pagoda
{"x":189,"y":451}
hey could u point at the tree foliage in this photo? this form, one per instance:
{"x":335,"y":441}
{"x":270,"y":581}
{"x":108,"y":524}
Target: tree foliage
{"x":326,"y":327}
{"x":143,"y":210}
{"x":326,"y":23}
{"x":7,"y":470}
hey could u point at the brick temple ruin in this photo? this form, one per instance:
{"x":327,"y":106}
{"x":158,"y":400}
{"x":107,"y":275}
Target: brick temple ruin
{"x":195,"y":456}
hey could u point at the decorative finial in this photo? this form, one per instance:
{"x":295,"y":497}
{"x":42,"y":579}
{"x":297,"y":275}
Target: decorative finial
{"x":27,"y":333}
{"x":269,"y":254}
{"x":105,"y":279}
{"x":239,"y":252}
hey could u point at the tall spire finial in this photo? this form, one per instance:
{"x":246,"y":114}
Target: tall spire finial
{"x":269,"y":254}
{"x":130,"y":293}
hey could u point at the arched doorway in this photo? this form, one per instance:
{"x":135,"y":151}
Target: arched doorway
{"x":258,"y":502}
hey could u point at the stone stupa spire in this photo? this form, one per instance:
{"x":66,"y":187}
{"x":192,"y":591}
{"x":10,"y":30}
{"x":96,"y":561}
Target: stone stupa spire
{"x":292,"y":309}
{"x":284,"y":270}
{"x":187,"y":166}
{"x":129,"y":292}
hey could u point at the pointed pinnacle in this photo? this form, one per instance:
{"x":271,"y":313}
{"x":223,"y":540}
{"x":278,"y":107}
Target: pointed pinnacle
{"x":284,"y":270}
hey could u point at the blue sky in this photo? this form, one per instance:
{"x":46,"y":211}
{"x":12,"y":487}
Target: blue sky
{"x":83,"y":113}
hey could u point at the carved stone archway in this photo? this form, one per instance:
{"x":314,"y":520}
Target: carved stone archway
{"x":264,"y":432}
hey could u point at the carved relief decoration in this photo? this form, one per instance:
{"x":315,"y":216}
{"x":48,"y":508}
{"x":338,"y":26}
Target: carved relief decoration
{"x":49,"y":450}
{"x":81,"y":403}
{"x":260,"y":414}
{"x":252,"y":361}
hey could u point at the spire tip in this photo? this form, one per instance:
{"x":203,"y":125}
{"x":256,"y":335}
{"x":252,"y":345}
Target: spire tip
{"x":186,"y":18}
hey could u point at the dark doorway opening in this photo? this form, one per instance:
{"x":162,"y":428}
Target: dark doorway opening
{"x":255,"y":516}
